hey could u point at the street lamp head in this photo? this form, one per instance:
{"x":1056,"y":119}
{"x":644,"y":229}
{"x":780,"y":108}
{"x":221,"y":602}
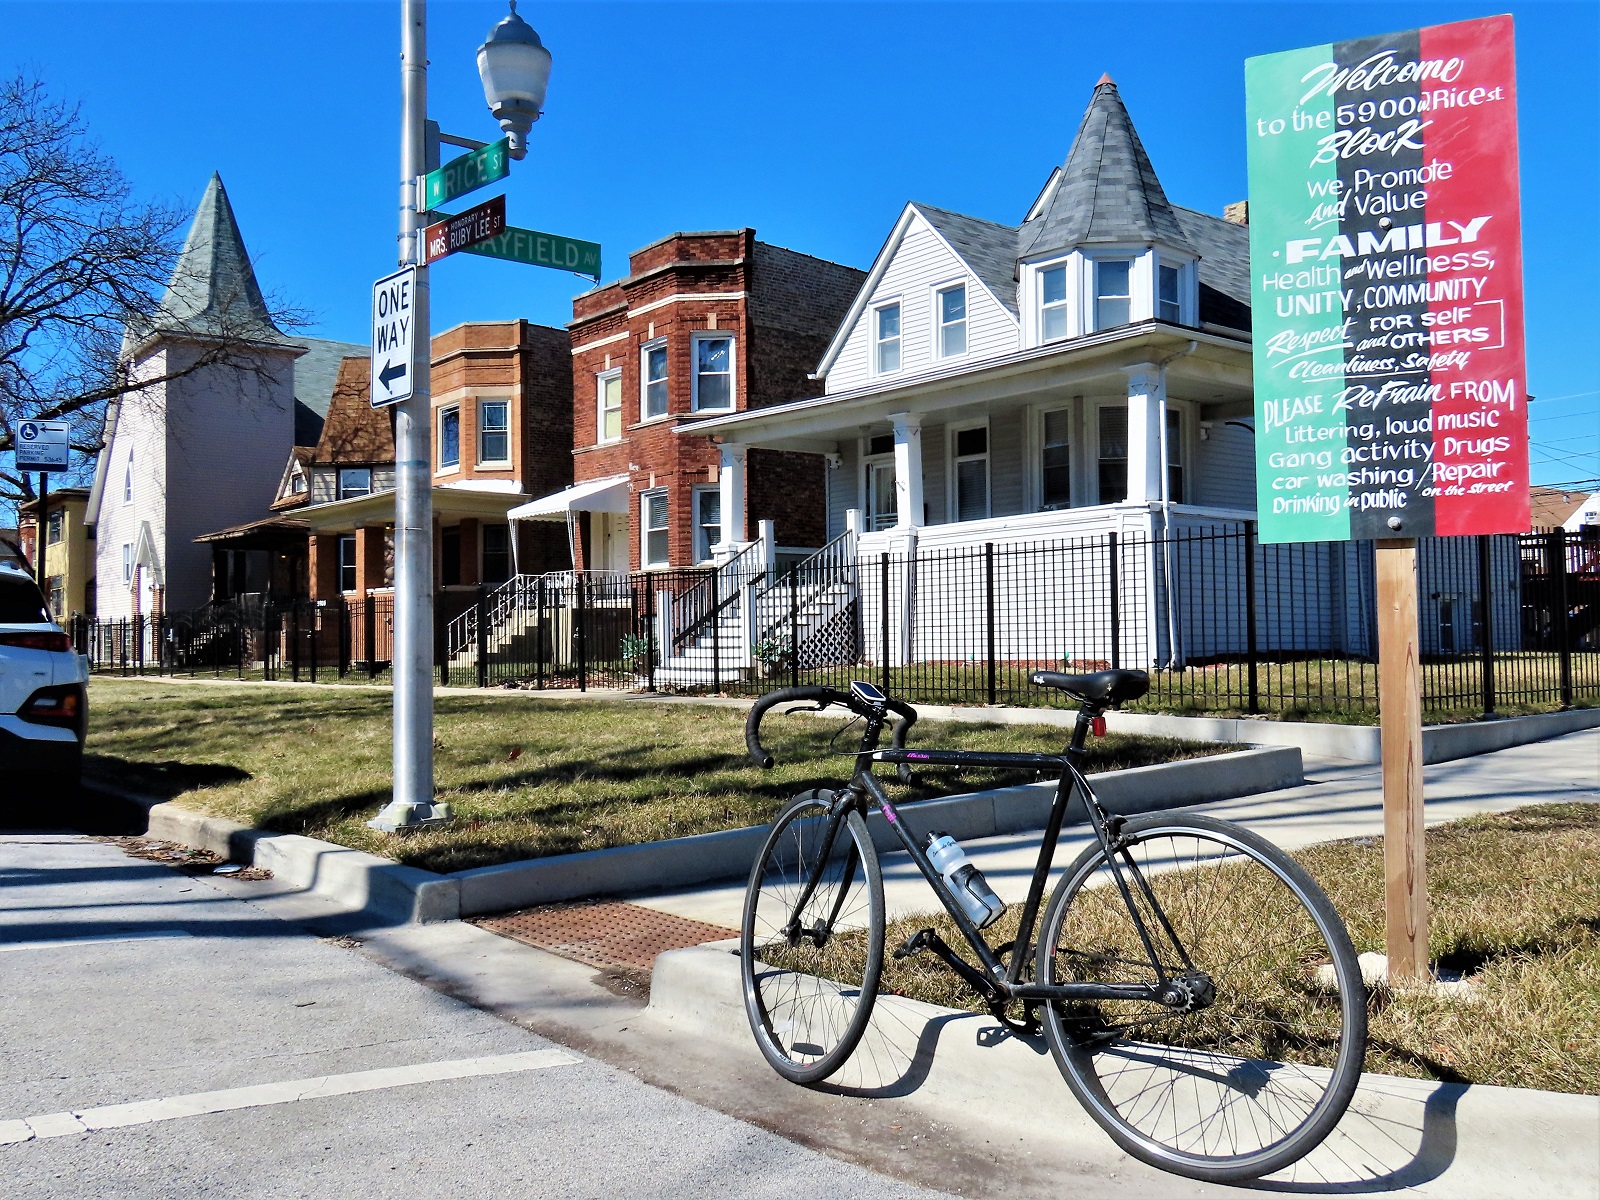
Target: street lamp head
{"x":515,"y":68}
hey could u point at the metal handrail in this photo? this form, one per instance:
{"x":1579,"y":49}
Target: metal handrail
{"x":520,"y":594}
{"x":813,"y":578}
{"x":694,"y":609}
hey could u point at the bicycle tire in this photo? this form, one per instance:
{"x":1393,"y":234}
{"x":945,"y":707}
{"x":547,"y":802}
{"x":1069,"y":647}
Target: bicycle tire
{"x":1241,"y":1087}
{"x":809,"y":1001}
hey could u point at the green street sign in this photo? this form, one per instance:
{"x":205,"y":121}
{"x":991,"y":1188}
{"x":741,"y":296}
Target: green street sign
{"x":543,"y":250}
{"x":471,"y":171}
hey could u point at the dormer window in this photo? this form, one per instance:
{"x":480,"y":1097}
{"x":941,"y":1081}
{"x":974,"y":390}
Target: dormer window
{"x":886,"y":331}
{"x":1112,"y":292}
{"x":1169,"y":305}
{"x":952,"y":321}
{"x":1053,"y":303}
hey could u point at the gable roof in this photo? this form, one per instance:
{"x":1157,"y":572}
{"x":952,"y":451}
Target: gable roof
{"x":354,"y":431}
{"x":1107,"y":191}
{"x":315,"y":374}
{"x":988,"y":247}
{"x":1554,"y":507}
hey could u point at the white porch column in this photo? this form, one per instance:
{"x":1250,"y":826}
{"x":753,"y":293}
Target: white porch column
{"x":1146,"y":402}
{"x":730,"y":478}
{"x":907,"y":469}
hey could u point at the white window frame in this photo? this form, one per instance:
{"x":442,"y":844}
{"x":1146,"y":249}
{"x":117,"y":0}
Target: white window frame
{"x":876,"y":342}
{"x":936,"y":308}
{"x":645,"y":351}
{"x":1176,"y":443}
{"x":449,"y":410}
{"x":1074,"y":481}
{"x":1068,"y":325}
{"x":483,"y":404}
{"x":868,"y":461}
{"x":1093,"y":281}
{"x":601,"y":382}
{"x":353,"y":566}
{"x":127,"y":479}
{"x":338,"y":483}
{"x":1094,"y":457}
{"x":952,"y":462}
{"x":1156,"y":299}
{"x":704,"y":547}
{"x":127,"y":562}
{"x":646,"y":529}
{"x":695,"y":342}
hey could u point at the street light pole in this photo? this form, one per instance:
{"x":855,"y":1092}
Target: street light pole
{"x":413,"y":550}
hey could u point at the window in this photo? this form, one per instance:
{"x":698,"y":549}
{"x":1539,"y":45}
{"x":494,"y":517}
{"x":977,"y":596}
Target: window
{"x":494,"y":432}
{"x":1174,"y":456}
{"x":882,"y":507}
{"x":449,"y":437}
{"x":1111,"y":295}
{"x":1113,"y":454}
{"x":1055,"y":460}
{"x":354,"y":481}
{"x":57,"y":595}
{"x":707,"y":522}
{"x":886,"y":338}
{"x":496,"y":553}
{"x":347,"y":563}
{"x":713,"y":372}
{"x":297,"y":483}
{"x":953,"y":321}
{"x":450,"y":556}
{"x":1052,"y":304}
{"x":52,"y":527}
{"x":656,"y":550}
{"x":653,"y":403}
{"x":127,"y":563}
{"x":127,"y":480}
{"x":1168,"y":307}
{"x":608,"y":419}
{"x":971,"y":474}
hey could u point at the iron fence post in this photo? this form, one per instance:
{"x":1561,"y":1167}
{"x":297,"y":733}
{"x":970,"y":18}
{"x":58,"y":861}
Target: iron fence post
{"x":1116,"y":600}
{"x":441,"y":646}
{"x":346,"y":638}
{"x":716,"y":636}
{"x":1251,"y":650}
{"x":369,"y":635}
{"x":794,"y":624}
{"x":538,"y":638}
{"x":316,"y":637}
{"x":988,"y":604}
{"x":649,"y":634}
{"x":580,"y":631}
{"x":1486,"y":624}
{"x":883,"y":613}
{"x":1558,"y":547}
{"x":481,"y":624}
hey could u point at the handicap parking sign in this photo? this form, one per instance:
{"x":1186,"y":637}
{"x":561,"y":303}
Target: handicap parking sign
{"x":41,"y":446}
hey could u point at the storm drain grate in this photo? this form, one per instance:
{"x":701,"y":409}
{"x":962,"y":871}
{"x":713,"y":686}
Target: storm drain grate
{"x":610,"y":934}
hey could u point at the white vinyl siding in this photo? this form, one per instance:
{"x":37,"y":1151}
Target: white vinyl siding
{"x":922,"y":262}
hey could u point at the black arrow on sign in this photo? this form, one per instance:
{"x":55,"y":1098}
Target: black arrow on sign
{"x":390,"y":373}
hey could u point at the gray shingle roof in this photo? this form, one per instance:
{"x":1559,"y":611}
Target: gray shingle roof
{"x":989,"y":248}
{"x":213,"y":291}
{"x":1224,"y":250}
{"x":315,"y":373}
{"x":1108,"y":191}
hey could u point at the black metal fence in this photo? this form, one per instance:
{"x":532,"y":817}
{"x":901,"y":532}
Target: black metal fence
{"x":1224,"y":623}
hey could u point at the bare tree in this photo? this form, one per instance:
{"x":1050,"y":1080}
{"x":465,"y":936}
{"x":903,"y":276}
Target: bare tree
{"x":84,"y":269}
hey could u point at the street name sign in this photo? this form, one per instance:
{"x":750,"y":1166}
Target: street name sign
{"x":1386,"y":286}
{"x":543,"y":250}
{"x":41,"y":445}
{"x":475,"y":225}
{"x":394,"y":299}
{"x":471,"y":171}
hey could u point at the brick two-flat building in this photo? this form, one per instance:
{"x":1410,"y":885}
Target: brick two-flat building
{"x":704,"y":324}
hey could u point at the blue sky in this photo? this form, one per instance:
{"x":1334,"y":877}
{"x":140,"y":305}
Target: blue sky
{"x":813,"y":123}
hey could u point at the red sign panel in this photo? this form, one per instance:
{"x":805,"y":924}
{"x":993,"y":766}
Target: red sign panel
{"x":480,"y":224}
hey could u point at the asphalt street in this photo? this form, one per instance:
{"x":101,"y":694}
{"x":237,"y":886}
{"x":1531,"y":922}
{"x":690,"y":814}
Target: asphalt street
{"x":151,"y":1011}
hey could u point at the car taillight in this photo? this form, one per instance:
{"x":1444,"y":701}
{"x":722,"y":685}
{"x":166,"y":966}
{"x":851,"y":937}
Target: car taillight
{"x":55,"y":706}
{"x":48,"y":640}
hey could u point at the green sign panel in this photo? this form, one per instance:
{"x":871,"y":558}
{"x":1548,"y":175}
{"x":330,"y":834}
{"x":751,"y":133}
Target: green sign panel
{"x":543,"y":250}
{"x":471,"y":171}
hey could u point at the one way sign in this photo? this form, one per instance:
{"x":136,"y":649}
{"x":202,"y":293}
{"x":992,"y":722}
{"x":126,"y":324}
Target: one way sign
{"x":393,"y":326}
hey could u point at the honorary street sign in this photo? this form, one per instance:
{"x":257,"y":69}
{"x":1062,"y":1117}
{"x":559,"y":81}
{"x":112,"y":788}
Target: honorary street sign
{"x":393,"y":334}
{"x":1386,"y":286}
{"x":471,"y":171}
{"x":543,"y":250}
{"x":475,"y":225}
{"x":41,"y":446}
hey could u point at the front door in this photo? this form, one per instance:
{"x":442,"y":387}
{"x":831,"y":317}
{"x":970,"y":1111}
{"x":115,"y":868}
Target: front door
{"x":881,"y":511}
{"x":614,"y":550}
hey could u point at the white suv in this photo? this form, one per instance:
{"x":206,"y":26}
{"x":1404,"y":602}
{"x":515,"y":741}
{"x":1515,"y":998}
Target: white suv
{"x":43,"y":694}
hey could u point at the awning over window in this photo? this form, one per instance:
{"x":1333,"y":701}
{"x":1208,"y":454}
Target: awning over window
{"x":608,"y":495}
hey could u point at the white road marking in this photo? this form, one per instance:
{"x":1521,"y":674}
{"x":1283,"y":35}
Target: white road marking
{"x":56,"y":943}
{"x":145,"y":1112}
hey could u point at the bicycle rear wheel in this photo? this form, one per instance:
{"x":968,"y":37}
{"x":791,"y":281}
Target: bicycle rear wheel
{"x":810,"y":976}
{"x":1257,"y":1061}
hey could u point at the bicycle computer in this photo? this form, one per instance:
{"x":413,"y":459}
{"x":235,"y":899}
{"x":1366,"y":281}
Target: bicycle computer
{"x":867,"y":692}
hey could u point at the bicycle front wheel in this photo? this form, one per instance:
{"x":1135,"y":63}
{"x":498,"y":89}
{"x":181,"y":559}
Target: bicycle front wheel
{"x":1254,"y":1058}
{"x":810,"y":969}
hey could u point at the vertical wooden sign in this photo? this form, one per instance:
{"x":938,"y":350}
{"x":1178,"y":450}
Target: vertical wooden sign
{"x":1405,"y":870}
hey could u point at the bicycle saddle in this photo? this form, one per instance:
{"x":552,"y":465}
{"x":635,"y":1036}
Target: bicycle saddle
{"x":1098,"y":687}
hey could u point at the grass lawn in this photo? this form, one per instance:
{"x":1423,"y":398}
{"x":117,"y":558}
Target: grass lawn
{"x":1514,"y":903}
{"x":527,"y":777}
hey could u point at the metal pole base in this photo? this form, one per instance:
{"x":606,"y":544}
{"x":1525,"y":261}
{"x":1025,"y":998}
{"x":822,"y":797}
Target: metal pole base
{"x":401,"y":816}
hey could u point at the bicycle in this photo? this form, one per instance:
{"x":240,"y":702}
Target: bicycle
{"x":1181,"y":976}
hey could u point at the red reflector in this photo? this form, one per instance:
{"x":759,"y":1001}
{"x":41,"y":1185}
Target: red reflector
{"x":1099,"y":727}
{"x":37,"y":641}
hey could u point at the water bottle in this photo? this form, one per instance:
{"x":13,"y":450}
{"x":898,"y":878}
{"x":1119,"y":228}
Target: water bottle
{"x":966,"y":883}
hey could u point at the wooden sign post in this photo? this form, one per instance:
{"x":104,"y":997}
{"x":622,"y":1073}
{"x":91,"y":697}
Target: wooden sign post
{"x":1405,"y":868}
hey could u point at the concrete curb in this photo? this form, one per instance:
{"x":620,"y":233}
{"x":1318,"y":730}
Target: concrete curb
{"x":1492,"y":1141}
{"x":352,"y":880}
{"x":707,"y":857}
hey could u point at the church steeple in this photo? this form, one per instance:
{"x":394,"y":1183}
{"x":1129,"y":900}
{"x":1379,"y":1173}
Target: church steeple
{"x":213,"y":290}
{"x":1107,"y":191}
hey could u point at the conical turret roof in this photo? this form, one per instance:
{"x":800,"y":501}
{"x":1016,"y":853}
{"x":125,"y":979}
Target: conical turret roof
{"x":213,"y":291}
{"x":1107,"y":191}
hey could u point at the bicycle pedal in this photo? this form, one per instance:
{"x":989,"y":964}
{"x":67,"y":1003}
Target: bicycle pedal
{"x":915,"y":944}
